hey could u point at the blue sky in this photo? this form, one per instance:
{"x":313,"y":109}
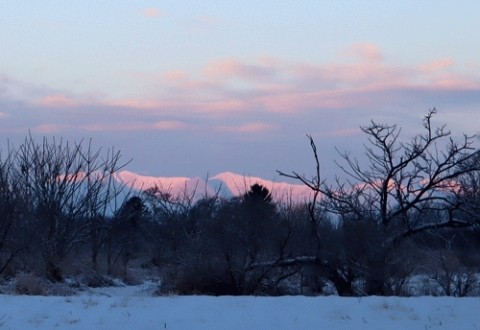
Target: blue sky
{"x":197,"y":87}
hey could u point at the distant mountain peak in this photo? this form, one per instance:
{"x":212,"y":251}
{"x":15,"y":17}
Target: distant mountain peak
{"x":143,"y":182}
{"x":228,"y":184}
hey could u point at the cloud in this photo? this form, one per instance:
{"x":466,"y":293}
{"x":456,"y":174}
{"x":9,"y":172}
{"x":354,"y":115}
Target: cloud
{"x":365,"y":51}
{"x":235,"y":87}
{"x":50,"y":128}
{"x":58,"y":100}
{"x":232,"y":86}
{"x":280,"y":86}
{"x":13,"y":90}
{"x":169,"y":125}
{"x":234,"y":68}
{"x":135,"y":103}
{"x":248,"y":128}
{"x":176,"y":76}
{"x":120,"y":126}
{"x":134,"y":126}
{"x":437,"y":65}
{"x":152,"y":12}
{"x":223,"y":106}
{"x":249,"y":91}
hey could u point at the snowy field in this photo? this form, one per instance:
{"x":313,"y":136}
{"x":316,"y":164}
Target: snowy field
{"x":136,"y":308}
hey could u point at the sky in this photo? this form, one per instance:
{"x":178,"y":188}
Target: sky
{"x":190,"y":88}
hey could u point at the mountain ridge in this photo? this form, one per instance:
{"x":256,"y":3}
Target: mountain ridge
{"x":227,"y":184}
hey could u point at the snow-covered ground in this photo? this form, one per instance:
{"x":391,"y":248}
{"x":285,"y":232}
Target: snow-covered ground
{"x":135,"y":308}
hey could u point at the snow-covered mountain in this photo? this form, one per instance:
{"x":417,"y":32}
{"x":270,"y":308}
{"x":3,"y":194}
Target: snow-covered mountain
{"x":227,"y":184}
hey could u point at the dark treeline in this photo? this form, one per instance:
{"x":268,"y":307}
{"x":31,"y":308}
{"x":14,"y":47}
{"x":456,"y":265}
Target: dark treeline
{"x":413,"y":212}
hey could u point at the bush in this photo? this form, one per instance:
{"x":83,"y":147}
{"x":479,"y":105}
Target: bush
{"x":30,"y":284}
{"x":98,"y":281}
{"x":205,"y":281}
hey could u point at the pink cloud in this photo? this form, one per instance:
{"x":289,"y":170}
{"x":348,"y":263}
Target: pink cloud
{"x":198,"y":100}
{"x":305,"y":86}
{"x":437,"y":65}
{"x":223,"y":105}
{"x":248,"y":128}
{"x":137,"y":104}
{"x":224,"y":68}
{"x":50,"y":128}
{"x":279,"y":86}
{"x":58,"y":100}
{"x":233,"y":68}
{"x":152,"y":12}
{"x":298,"y":101}
{"x":454,"y":82}
{"x":135,"y":126}
{"x":336,"y":76}
{"x":176,"y":76}
{"x":116,"y":127}
{"x":169,"y":125}
{"x":366,"y":51}
{"x":234,"y":86}
{"x":180,"y":81}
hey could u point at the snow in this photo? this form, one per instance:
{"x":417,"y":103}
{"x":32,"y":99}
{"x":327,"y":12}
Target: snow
{"x":281,"y":191}
{"x":134,"y":307}
{"x":231,"y":184}
{"x":140,"y":182}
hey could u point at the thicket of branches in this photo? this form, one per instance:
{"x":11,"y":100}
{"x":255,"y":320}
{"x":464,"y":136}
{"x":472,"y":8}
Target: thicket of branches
{"x":412,"y":212}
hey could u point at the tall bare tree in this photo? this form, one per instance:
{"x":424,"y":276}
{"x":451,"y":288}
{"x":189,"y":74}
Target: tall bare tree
{"x":12,"y":210}
{"x":66,"y":188}
{"x":403,"y":180}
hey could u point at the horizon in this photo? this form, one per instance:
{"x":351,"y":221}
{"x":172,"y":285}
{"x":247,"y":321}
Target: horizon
{"x":228,"y":87}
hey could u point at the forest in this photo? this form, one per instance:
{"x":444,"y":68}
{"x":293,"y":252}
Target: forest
{"x":404,"y":222}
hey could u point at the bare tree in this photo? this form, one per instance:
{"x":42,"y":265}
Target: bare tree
{"x":103,"y":194}
{"x":125,"y":238}
{"x":403,"y":180}
{"x":468,"y":192}
{"x":12,"y":210}
{"x":453,"y":278}
{"x":66,"y":188}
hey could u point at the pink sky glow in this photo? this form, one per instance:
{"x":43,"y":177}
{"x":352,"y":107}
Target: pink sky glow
{"x":217,"y":87}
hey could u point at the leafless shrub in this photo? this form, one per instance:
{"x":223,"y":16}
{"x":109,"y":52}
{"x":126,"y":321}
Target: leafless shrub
{"x":30,"y":284}
{"x":452,"y":276}
{"x":98,"y":281}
